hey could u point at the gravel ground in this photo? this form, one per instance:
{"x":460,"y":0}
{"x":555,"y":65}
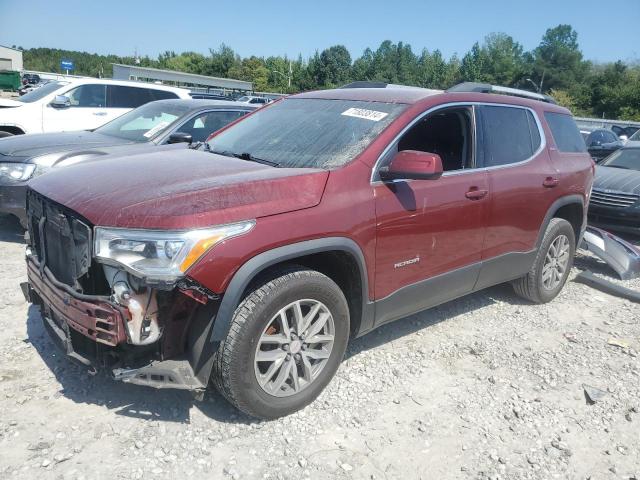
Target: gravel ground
{"x":484,"y":387}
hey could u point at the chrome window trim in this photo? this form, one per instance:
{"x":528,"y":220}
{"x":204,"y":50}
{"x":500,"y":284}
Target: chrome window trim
{"x":543,"y":139}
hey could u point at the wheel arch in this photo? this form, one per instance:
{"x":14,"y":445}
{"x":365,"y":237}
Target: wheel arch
{"x":570,"y":208}
{"x":309,"y":253}
{"x":13,"y":130}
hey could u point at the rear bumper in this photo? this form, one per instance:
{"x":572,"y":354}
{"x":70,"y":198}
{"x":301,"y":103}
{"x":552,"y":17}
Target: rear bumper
{"x":13,"y":201}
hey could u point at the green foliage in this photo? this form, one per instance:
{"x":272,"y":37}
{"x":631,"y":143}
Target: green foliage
{"x":555,"y":66}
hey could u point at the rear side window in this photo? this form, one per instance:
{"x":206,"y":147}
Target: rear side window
{"x":120,"y":96}
{"x":565,"y":132}
{"x":511,"y":135}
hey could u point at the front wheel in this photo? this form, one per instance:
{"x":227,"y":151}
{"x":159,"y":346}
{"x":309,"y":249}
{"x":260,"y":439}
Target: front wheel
{"x":552,"y":264}
{"x":285,"y":343}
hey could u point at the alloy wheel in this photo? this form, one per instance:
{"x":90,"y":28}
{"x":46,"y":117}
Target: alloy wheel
{"x":556,"y":262}
{"x":294,"y":347}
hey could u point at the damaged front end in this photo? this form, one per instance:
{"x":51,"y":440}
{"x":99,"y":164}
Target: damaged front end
{"x":118,"y":300}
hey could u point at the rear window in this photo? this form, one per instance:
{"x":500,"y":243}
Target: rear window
{"x":565,"y":132}
{"x":511,"y":135}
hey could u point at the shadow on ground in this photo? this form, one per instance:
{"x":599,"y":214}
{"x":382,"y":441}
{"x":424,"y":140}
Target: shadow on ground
{"x":11,"y":230}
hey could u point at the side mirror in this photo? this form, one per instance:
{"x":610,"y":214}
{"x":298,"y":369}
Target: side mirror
{"x":61,"y":101}
{"x":413,"y":165}
{"x":180,"y":137}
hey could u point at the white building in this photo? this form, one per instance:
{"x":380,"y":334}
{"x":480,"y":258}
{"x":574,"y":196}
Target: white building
{"x":10,"y":59}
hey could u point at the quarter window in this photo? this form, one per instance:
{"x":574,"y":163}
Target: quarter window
{"x":120,"y":96}
{"x":511,"y":135}
{"x":565,"y":133}
{"x":87,"y":96}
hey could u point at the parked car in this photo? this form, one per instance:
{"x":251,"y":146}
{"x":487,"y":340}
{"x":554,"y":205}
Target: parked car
{"x":29,"y":87}
{"x":30,"y":79}
{"x":162,"y":122}
{"x":79,"y":104}
{"x":253,"y":100}
{"x":602,"y":142}
{"x":615,"y":200}
{"x":624,"y":133}
{"x":209,"y":96}
{"x":312,"y":221}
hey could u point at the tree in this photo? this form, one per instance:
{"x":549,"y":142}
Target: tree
{"x":333,"y":66}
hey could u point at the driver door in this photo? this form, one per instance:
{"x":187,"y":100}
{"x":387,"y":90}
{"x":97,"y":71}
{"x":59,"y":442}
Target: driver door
{"x":430,"y":233}
{"x":87,"y":110}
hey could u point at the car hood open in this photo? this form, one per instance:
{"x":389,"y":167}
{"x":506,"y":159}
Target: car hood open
{"x":29,"y":146}
{"x":617,"y":179}
{"x":179,"y":189}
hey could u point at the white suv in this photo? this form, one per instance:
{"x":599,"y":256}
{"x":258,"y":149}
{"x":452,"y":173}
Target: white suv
{"x":79,"y":104}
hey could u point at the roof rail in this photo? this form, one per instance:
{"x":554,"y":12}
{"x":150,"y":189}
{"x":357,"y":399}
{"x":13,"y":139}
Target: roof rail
{"x":486,"y":88}
{"x":376,"y":84}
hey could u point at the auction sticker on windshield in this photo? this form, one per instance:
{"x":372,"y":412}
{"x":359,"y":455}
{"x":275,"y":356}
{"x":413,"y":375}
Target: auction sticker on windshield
{"x":156,"y":129}
{"x":364,"y":113}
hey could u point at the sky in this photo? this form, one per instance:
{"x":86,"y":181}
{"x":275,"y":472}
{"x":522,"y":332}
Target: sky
{"x":606,"y":31}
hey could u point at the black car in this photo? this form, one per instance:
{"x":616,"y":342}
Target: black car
{"x":30,"y":79}
{"x":615,"y":199}
{"x":163,"y":122}
{"x":602,"y":142}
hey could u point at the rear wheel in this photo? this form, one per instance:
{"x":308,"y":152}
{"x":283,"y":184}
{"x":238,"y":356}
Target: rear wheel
{"x":285,"y":343}
{"x":552,"y":264}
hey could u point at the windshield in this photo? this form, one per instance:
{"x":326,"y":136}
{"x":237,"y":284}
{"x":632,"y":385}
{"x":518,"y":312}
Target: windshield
{"x":145,"y":122}
{"x":303,"y":132}
{"x":628,"y":158}
{"x":41,"y":92}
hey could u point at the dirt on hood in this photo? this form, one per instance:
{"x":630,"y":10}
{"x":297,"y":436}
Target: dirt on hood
{"x":179,"y":189}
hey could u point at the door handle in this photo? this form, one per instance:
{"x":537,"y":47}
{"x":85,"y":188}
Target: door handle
{"x":475,"y":193}
{"x":550,"y":182}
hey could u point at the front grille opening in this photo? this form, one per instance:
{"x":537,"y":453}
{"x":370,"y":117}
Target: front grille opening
{"x":63,"y":241}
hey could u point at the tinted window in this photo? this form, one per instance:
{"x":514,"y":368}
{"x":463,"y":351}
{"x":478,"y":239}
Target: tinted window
{"x":161,"y":94}
{"x":206,"y":123}
{"x":510,"y":135}
{"x":565,"y":132}
{"x":596,"y":138}
{"x":127,"y":97}
{"x":88,"y":96}
{"x":610,"y":137}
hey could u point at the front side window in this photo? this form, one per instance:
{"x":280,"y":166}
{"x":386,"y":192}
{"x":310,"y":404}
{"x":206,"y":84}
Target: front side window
{"x":565,"y":133}
{"x":448,"y":133}
{"x":307,"y":132}
{"x":144,"y":123}
{"x":88,"y":96}
{"x":511,"y":135}
{"x":626,"y":158}
{"x":204,"y":124}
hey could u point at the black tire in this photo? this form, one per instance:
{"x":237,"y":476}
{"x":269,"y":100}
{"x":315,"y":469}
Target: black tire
{"x":233,"y":371}
{"x":5,"y":134}
{"x":531,"y":286}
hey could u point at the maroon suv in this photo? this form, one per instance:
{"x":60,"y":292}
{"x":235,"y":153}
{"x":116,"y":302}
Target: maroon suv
{"x":314,"y":220}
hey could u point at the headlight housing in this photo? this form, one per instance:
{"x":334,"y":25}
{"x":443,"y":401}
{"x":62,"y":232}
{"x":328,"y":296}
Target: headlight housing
{"x":13,"y":173}
{"x":160,"y":255}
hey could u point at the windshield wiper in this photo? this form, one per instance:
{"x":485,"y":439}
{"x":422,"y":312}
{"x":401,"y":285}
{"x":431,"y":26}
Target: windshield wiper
{"x":246,"y":156}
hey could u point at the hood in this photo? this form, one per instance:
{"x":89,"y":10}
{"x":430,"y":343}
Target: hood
{"x":7,"y":102}
{"x":42,"y":143}
{"x":179,"y":189}
{"x":617,"y":179}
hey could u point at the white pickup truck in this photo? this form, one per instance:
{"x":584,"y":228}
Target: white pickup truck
{"x":78,"y":104}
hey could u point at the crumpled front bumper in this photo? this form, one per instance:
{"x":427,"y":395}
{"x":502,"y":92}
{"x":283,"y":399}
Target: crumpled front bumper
{"x":83,"y":326}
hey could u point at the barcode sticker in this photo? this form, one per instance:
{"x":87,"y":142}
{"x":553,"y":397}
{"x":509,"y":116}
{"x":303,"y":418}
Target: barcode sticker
{"x":364,"y":113}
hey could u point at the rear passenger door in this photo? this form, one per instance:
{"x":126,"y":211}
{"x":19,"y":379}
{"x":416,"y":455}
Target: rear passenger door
{"x":521,"y":181}
{"x":122,"y":98}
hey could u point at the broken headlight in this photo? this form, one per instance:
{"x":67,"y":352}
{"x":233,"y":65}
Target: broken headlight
{"x":162,"y":255}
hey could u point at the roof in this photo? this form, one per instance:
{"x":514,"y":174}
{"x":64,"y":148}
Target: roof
{"x":11,"y":48}
{"x":176,"y":76}
{"x":110,"y":81}
{"x":205,"y":103}
{"x":399,"y":94}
